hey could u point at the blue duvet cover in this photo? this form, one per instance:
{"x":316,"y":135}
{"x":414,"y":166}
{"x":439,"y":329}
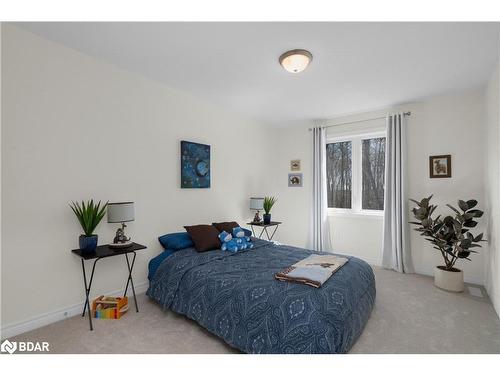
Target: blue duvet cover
{"x":236,"y":297}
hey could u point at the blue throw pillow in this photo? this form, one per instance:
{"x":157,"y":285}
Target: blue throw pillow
{"x":247,"y":232}
{"x":176,"y":241}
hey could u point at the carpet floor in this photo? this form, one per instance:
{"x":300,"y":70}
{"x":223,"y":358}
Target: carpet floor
{"x":410,"y":316}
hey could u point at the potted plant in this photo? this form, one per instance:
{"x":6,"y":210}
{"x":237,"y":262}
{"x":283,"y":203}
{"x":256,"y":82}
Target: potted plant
{"x":451,"y":236}
{"x":89,"y":215}
{"x":268,"y":204}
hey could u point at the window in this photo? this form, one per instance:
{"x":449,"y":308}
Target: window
{"x":339,"y":174}
{"x":355,"y":171}
{"x":373,"y":167}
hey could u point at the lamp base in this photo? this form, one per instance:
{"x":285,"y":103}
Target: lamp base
{"x":120,"y":237}
{"x":120,"y":245}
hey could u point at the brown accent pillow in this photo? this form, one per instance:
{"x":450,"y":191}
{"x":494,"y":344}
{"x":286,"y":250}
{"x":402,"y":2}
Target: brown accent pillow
{"x":204,"y":236}
{"x":226,"y":226}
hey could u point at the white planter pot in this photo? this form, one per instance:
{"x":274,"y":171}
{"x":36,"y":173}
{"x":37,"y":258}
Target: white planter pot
{"x":452,"y":281}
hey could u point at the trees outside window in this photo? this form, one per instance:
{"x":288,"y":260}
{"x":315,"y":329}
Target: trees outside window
{"x":339,"y":174}
{"x":355,"y":173}
{"x":373,"y":169}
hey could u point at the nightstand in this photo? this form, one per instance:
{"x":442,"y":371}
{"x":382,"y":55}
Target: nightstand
{"x":264,"y":227}
{"x":104,"y":251}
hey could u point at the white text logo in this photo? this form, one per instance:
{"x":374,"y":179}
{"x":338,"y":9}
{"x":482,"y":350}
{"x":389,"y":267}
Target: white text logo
{"x":24,"y":346}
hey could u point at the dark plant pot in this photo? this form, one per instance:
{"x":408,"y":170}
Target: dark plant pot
{"x":87,"y":243}
{"x":267,"y":218}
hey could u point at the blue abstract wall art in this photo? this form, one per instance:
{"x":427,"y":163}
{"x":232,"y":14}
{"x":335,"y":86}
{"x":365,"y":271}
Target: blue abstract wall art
{"x":195,"y":165}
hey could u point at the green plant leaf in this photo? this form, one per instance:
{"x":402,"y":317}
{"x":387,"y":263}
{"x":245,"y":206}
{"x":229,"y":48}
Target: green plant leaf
{"x":475,"y":213}
{"x":89,"y":214}
{"x":425,"y":202}
{"x":471,"y":203}
{"x":268,"y":204}
{"x":463,"y":205}
{"x":415,"y":201}
{"x":426,"y":222}
{"x":448,"y":221}
{"x":470,"y":224}
{"x":453,"y":208}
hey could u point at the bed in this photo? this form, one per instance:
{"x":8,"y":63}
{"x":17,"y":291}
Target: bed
{"x":236,"y":297}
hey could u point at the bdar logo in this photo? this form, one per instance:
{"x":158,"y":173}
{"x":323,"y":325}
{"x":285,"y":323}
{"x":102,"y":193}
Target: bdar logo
{"x":9,"y":347}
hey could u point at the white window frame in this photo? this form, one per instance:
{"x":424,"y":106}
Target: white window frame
{"x":357,"y":175}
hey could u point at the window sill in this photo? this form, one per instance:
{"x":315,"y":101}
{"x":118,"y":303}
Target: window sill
{"x":357,"y":214}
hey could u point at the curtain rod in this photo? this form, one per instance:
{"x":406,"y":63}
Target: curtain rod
{"x":354,"y":122}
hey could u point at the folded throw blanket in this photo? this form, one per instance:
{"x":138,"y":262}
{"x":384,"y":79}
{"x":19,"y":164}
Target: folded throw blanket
{"x":313,"y":270}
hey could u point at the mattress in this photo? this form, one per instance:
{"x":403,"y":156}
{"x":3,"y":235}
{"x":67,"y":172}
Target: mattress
{"x":236,"y":297}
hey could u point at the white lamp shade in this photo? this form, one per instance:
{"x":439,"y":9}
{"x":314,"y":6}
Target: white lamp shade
{"x":121,"y":212}
{"x":256,"y":203}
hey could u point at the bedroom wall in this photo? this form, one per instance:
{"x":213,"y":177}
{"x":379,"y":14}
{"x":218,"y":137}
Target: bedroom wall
{"x":75,"y":128}
{"x":492,"y":184}
{"x":448,"y":124}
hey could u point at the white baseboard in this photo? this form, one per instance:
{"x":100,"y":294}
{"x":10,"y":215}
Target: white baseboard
{"x":467,"y":278}
{"x":370,"y":261}
{"x":17,"y":328}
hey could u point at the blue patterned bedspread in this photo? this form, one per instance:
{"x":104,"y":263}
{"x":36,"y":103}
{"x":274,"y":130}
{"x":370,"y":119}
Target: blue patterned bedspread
{"x":236,"y":297}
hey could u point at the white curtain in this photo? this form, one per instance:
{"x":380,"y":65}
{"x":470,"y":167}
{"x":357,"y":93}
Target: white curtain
{"x":320,"y":229}
{"x":396,"y":246}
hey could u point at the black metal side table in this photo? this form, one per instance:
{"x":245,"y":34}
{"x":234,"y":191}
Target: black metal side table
{"x":104,"y":251}
{"x":264,"y":227}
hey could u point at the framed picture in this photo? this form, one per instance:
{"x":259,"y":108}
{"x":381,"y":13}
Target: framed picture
{"x":440,"y":166}
{"x":295,"y":180}
{"x":295,"y":165}
{"x":195,"y":165}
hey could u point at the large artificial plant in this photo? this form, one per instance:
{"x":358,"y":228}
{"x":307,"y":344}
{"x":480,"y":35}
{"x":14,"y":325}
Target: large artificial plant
{"x":89,"y":215}
{"x":268,"y":204}
{"x":450,"y":235}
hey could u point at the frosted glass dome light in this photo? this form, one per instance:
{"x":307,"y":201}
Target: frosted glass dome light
{"x":296,"y":60}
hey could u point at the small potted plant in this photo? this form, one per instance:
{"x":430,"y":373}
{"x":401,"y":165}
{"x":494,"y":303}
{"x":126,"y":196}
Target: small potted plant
{"x":268,"y":204}
{"x":89,"y":215}
{"x":451,"y":236}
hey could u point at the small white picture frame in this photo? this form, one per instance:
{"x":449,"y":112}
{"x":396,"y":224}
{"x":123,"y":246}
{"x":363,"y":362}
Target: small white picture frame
{"x":295,"y":165}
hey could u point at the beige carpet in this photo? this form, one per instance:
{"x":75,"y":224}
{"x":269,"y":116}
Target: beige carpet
{"x":410,"y":316}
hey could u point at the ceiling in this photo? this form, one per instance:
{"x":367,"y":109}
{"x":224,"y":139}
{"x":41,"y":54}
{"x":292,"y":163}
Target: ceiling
{"x":356,"y":66}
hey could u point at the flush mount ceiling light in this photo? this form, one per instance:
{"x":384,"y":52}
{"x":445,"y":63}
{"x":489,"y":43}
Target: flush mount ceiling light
{"x":296,"y":60}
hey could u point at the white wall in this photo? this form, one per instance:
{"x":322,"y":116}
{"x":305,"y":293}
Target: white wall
{"x":448,"y":124}
{"x":76,"y":128}
{"x":451,"y":124}
{"x":293,"y":205}
{"x":492,"y":184}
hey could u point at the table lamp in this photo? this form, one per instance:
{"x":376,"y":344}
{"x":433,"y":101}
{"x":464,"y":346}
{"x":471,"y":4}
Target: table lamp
{"x":121,"y":212}
{"x":257,"y":204}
